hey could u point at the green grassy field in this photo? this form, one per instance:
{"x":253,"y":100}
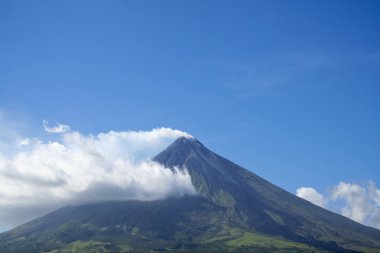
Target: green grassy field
{"x":236,"y":239}
{"x":92,"y":247}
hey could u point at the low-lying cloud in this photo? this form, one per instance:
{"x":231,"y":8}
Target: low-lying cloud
{"x":360,"y":203}
{"x":76,"y":168}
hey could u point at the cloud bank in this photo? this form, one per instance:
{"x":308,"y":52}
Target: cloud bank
{"x":360,"y":203}
{"x":75,"y":169}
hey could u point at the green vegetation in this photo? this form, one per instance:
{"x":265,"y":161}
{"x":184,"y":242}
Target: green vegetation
{"x":262,"y":241}
{"x":92,"y":247}
{"x":124,"y":248}
{"x":85,"y":247}
{"x":237,"y":239}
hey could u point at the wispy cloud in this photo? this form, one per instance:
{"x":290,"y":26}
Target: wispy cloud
{"x":77,"y":168}
{"x":264,"y":75}
{"x":360,"y":203}
{"x":59,"y":128}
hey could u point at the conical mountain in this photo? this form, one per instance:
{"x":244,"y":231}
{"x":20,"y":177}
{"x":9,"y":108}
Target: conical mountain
{"x":234,"y":211}
{"x":257,"y":204}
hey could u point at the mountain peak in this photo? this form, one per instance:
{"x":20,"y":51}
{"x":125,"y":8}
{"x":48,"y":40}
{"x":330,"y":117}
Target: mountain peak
{"x":181,"y":151}
{"x":186,"y":142}
{"x":209,"y":172}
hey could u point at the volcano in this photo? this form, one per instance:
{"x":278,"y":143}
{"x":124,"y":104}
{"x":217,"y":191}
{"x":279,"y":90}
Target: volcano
{"x":234,"y":211}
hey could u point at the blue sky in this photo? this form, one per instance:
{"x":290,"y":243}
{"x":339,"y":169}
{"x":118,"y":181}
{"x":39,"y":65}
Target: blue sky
{"x":287,"y":89}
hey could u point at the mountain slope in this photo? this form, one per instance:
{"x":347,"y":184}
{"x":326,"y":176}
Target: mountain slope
{"x":235,"y":211}
{"x":263,"y":206}
{"x":185,"y":224}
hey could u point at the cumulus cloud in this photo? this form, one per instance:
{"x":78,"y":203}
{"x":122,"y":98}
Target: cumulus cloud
{"x":360,"y":203}
{"x":59,"y":128}
{"x":44,"y":175}
{"x":310,"y":194}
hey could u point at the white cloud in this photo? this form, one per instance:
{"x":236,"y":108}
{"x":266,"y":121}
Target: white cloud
{"x":310,"y":194}
{"x":42,"y":176}
{"x":59,"y":128}
{"x":360,"y":203}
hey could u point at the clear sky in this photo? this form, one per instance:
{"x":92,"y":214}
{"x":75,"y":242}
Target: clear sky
{"x":287,"y":89}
